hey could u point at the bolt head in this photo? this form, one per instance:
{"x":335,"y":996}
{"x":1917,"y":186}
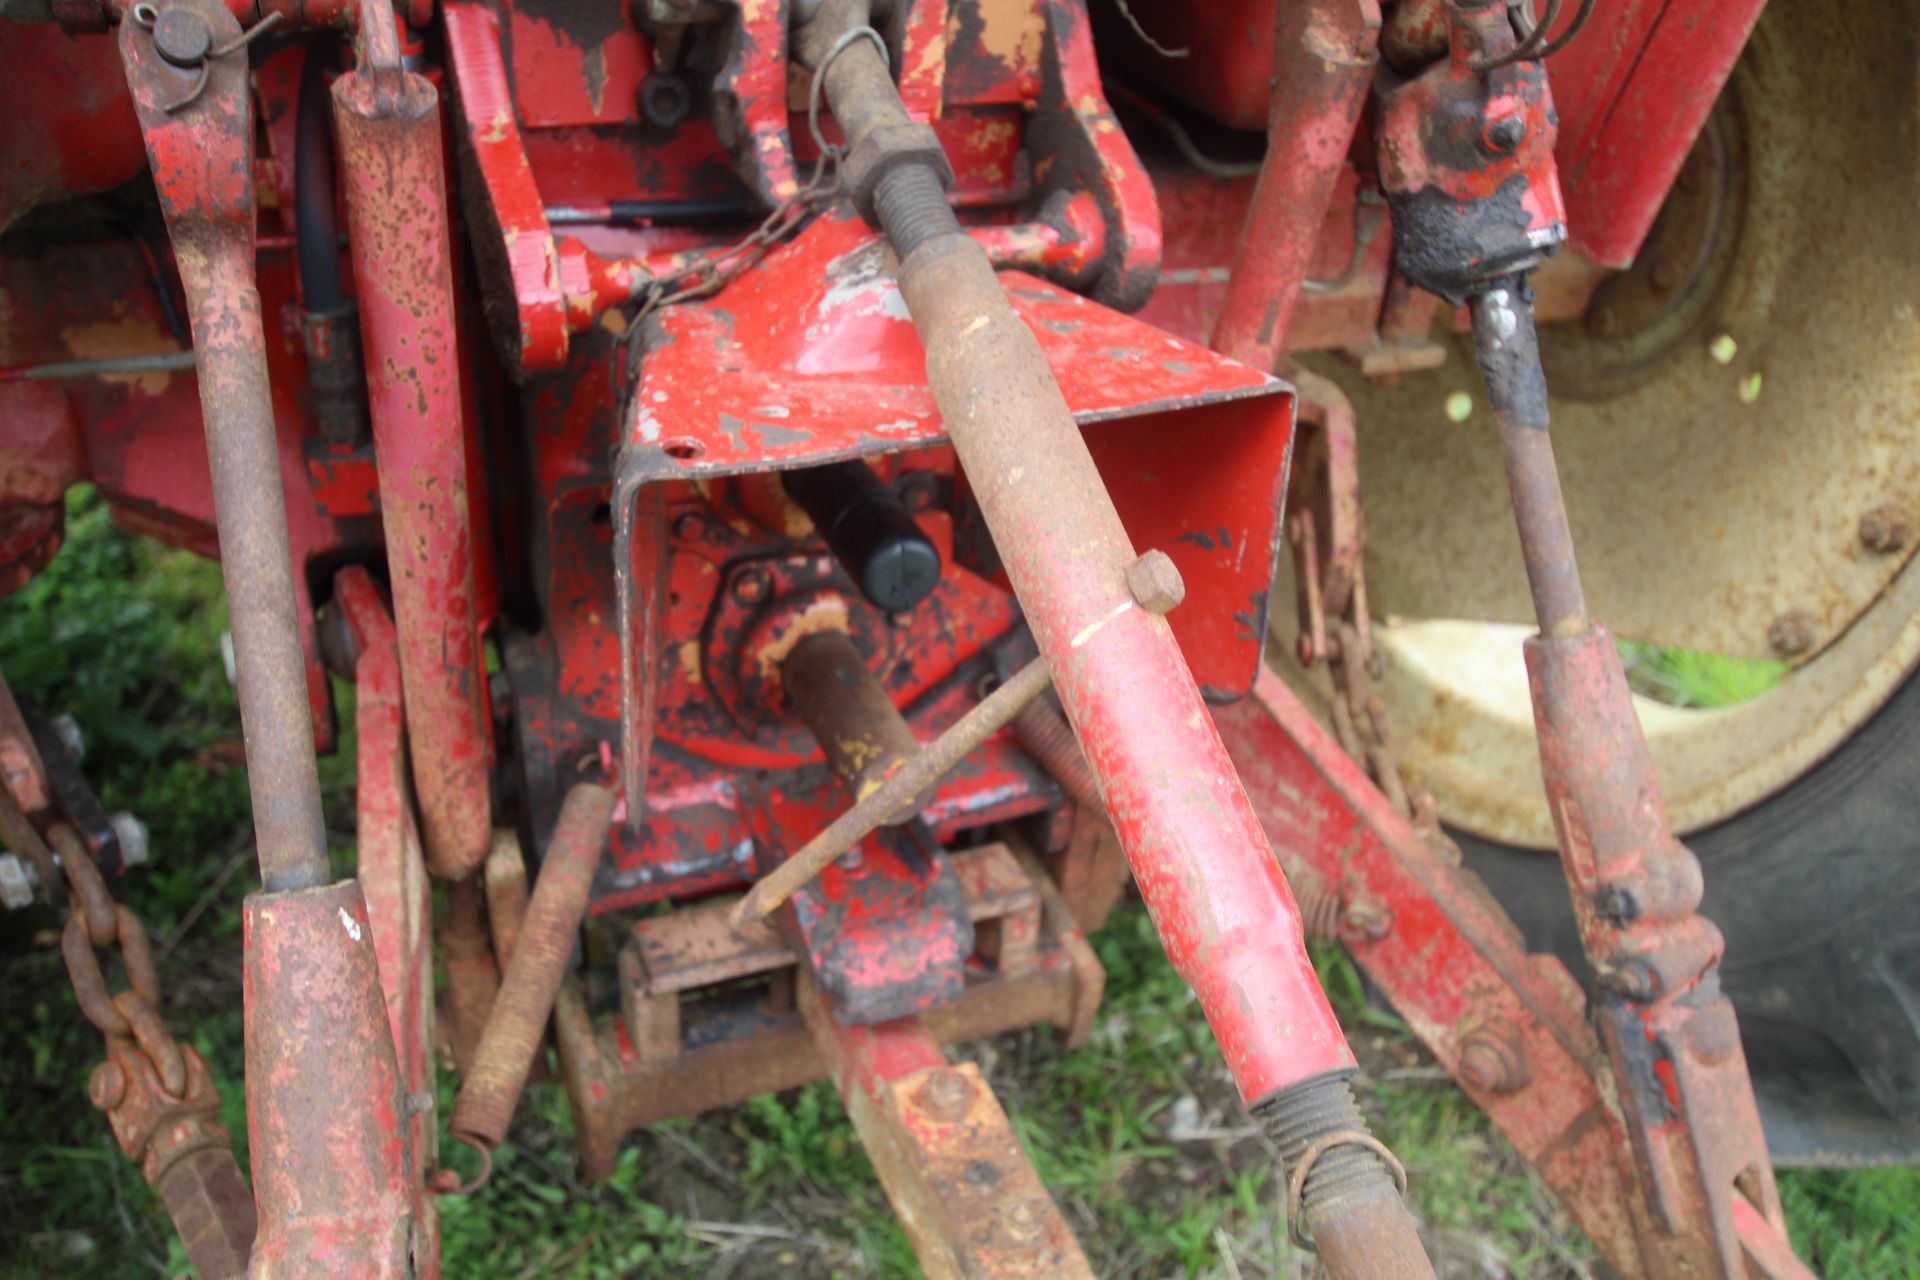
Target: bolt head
{"x":1364,"y":922}
{"x":750,"y":587}
{"x":1493,"y":1060}
{"x":1480,"y":1066}
{"x":1792,"y":633}
{"x":1619,"y":904}
{"x":182,"y":36}
{"x":945,"y":1094}
{"x":1155,"y":582}
{"x":1021,"y":1222}
{"x":1506,"y":134}
{"x":1886,"y":528}
{"x":1633,"y":979}
{"x":108,"y":1086}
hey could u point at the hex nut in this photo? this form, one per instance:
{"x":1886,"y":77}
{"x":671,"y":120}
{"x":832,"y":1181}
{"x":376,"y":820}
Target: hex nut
{"x":1155,"y":582}
{"x":884,"y":148}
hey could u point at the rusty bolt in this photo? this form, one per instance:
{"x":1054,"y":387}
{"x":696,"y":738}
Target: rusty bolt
{"x":1505,"y":134}
{"x":689,"y":525}
{"x":751,"y":586}
{"x":1619,"y":904}
{"x":944,"y":1095}
{"x":1888,"y":527}
{"x":1666,"y":274}
{"x":1633,"y":979}
{"x":1021,"y":1222}
{"x":1792,"y":633}
{"x":108,"y":1085}
{"x":1364,"y":922}
{"x":182,"y":36}
{"x":1602,"y":322}
{"x":1493,"y":1059}
{"x":1155,"y":582}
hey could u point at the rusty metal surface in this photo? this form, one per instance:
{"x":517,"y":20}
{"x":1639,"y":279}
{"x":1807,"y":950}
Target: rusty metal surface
{"x":1509,"y":351}
{"x":202,"y":158}
{"x":1215,"y":892}
{"x":864,"y":736}
{"x":388,"y":125}
{"x":1799,"y":450}
{"x":1453,"y":966}
{"x":869,"y":812}
{"x":393,"y":876}
{"x":1324,"y":53}
{"x":1466,"y":159}
{"x":884,"y":928}
{"x":1045,"y":734}
{"x":968,"y":1199}
{"x":515,"y":1027}
{"x":326,"y":1108}
{"x":185,"y":1154}
{"x":1121,"y":676}
{"x":1669,"y":1032}
{"x":721,"y":1046}
{"x":156,"y":1092}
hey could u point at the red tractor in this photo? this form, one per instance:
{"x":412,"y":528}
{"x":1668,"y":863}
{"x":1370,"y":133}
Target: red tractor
{"x":806,"y":480}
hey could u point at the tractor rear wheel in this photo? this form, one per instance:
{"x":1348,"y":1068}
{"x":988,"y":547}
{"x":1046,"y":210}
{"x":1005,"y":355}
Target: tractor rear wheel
{"x":1735,"y":418}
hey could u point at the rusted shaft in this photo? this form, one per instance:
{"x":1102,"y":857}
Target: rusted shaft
{"x":922,"y":771}
{"x":202,"y":156}
{"x":1509,"y":351}
{"x":1323,"y":53}
{"x":863,"y":734}
{"x":325,"y":1108}
{"x":1342,"y":1197}
{"x":1046,"y":736}
{"x":520,"y":1011}
{"x":388,"y":122}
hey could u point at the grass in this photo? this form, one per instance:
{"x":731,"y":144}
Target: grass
{"x":1689,"y":678}
{"x":1139,"y":1134}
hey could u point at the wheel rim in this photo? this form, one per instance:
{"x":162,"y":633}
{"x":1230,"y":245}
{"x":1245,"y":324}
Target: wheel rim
{"x":1718,"y":496}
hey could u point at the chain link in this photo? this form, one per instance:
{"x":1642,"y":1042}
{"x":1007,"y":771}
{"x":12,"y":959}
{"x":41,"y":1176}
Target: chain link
{"x":121,"y":1017}
{"x":709,"y":273}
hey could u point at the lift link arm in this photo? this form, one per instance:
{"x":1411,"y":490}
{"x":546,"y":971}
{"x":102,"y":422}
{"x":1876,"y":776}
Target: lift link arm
{"x":324,"y":1098}
{"x":1466,"y":159}
{"x":1195,"y":845}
